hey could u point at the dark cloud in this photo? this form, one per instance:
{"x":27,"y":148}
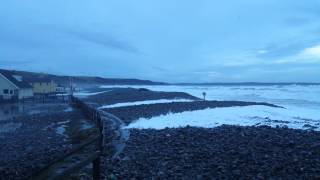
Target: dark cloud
{"x":160,"y":69}
{"x":14,"y":62}
{"x":297,"y":21}
{"x":104,"y":40}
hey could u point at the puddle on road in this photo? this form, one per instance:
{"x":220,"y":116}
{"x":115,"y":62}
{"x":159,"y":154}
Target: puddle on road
{"x":9,"y":111}
{"x":74,"y":130}
{"x":61,"y":130}
{"x":86,"y":125}
{"x":69,"y":109}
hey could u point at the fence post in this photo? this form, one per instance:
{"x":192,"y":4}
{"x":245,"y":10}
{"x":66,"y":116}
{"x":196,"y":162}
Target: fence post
{"x":96,"y":169}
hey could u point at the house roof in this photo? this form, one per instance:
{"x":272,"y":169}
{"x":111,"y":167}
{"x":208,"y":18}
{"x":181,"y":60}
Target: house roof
{"x":10,"y":76}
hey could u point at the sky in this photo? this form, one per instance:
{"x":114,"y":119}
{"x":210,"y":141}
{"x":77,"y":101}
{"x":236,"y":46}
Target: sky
{"x":164,"y":40}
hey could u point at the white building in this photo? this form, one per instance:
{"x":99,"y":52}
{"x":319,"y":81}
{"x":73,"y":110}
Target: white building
{"x":13,"y":86}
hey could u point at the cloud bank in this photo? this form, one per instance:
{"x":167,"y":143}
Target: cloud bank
{"x":163,"y":40}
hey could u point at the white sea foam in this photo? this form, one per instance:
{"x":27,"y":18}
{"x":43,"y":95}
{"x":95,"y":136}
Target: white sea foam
{"x":144,"y":102}
{"x":292,"y":117}
{"x":86,"y":94}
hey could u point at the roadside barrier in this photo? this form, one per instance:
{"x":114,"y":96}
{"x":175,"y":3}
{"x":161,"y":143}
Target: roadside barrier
{"x":89,"y":151}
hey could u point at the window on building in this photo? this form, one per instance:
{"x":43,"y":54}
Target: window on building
{"x":11,"y":91}
{"x":6,"y":91}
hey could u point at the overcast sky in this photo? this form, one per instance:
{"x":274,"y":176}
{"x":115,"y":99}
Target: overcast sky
{"x":164,"y":40}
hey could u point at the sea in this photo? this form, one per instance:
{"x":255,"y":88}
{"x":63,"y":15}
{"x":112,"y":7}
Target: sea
{"x":300,"y":102}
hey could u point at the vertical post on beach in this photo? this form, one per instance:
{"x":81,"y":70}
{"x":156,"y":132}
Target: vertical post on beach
{"x":204,"y":95}
{"x":96,"y":169}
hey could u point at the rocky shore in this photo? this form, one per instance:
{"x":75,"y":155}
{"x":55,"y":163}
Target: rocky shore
{"x":120,"y":95}
{"x":225,"y":152}
{"x":130,"y":113}
{"x":34,"y":141}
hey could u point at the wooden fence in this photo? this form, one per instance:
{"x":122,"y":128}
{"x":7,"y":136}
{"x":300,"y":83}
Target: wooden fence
{"x":85,"y":154}
{"x":95,"y":116}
